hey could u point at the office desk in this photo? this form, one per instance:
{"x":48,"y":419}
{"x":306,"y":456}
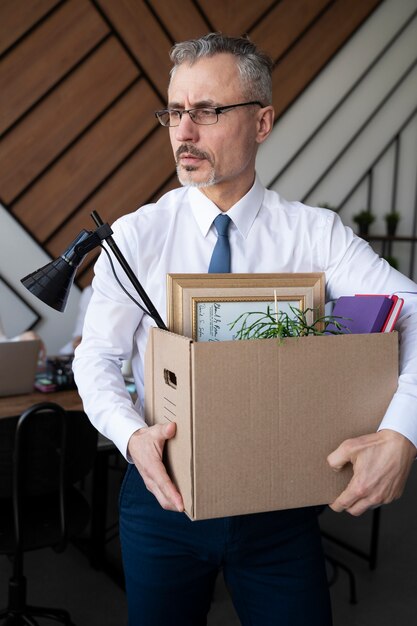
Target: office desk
{"x":11,"y":406}
{"x":15,"y":405}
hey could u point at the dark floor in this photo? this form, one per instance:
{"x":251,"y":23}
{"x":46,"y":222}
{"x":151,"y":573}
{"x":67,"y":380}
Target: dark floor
{"x":387,"y":596}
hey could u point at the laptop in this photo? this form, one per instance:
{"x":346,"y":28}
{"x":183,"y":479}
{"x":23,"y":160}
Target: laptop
{"x":18,"y":363}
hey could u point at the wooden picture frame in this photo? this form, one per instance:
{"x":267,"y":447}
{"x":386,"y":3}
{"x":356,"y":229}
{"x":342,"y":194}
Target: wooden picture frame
{"x":202,"y":306}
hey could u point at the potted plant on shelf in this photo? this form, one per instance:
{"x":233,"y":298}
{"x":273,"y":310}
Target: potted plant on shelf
{"x":364,"y":219}
{"x":391,"y":220}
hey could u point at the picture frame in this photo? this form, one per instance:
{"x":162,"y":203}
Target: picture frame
{"x":202,"y":306}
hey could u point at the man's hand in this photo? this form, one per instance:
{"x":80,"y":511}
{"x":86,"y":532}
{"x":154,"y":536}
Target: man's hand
{"x":381,"y":464}
{"x":145,"y":448}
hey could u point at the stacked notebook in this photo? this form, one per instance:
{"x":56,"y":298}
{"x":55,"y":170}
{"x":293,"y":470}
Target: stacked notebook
{"x":366,"y":313}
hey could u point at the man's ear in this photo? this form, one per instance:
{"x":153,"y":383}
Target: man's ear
{"x":265,"y":123}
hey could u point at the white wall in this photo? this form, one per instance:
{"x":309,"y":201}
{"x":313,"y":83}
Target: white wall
{"x":367,"y":92}
{"x":19,"y":256}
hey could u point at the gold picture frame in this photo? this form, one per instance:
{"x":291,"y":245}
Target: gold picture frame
{"x":202,"y":306}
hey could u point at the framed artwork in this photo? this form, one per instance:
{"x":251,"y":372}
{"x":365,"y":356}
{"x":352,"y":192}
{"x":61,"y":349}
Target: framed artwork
{"x":203,"y":306}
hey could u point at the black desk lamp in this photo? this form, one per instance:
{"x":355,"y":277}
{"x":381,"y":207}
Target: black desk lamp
{"x":52,"y":282}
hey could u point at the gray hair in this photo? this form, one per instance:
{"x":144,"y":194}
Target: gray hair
{"x":254,"y":66}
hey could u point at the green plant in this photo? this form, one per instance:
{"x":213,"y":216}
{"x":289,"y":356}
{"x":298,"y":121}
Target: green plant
{"x":391,"y":220}
{"x":280,"y":325}
{"x":364,"y":218}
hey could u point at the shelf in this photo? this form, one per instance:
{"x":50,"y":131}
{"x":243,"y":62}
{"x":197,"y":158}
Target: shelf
{"x":388,"y":238}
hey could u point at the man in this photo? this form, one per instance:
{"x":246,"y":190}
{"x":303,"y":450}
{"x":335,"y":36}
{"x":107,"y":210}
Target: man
{"x":219,"y":111}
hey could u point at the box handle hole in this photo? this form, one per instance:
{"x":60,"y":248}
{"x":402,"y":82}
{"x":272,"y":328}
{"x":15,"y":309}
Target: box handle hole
{"x":170,"y":379}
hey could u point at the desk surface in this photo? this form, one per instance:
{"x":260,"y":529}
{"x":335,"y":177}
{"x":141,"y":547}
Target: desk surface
{"x":15,"y":405}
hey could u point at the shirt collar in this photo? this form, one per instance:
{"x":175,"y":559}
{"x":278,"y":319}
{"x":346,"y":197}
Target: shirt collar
{"x":242,"y":214}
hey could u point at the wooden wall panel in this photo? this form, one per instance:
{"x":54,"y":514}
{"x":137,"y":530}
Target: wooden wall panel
{"x":83,"y":77}
{"x":293,"y":18}
{"x":132,"y":186}
{"x":41,"y":60}
{"x":233,"y":16}
{"x":316,"y":48}
{"x":146,"y":40}
{"x":88,"y":163}
{"x":63,"y":115}
{"x":18,"y":16}
{"x":181,"y":19}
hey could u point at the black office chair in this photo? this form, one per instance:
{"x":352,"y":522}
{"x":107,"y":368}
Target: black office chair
{"x":43,"y":454}
{"x":333,"y":566}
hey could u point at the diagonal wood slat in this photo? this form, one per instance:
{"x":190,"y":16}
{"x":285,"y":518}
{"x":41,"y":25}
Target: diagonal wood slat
{"x":128,"y":189}
{"x":18,"y":16}
{"x":86,"y":165}
{"x":41,"y":60}
{"x":181,"y":19}
{"x":285,"y":24}
{"x":63,"y":115}
{"x":234,"y":17}
{"x":124,"y":192}
{"x":143,"y":35}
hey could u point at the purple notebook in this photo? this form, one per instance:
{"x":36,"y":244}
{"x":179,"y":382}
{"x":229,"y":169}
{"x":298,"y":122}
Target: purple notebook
{"x":363,"y":314}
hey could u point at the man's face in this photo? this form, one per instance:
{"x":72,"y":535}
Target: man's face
{"x":222,"y":154}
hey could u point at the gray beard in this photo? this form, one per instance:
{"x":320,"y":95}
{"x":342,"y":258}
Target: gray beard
{"x":186,"y":181}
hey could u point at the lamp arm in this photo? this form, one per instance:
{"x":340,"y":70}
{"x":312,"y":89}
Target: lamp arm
{"x":104,"y":232}
{"x":93,"y":239}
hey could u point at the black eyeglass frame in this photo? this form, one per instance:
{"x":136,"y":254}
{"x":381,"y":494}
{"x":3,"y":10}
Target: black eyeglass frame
{"x":216,"y":110}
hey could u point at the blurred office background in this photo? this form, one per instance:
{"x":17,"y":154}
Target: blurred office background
{"x":79,"y":81}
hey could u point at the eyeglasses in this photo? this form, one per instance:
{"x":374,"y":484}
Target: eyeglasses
{"x":200,"y":115}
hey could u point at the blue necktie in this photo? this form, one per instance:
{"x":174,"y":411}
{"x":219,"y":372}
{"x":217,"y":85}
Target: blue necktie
{"x":220,"y":259}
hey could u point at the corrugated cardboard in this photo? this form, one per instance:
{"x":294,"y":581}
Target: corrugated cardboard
{"x":256,"y":419}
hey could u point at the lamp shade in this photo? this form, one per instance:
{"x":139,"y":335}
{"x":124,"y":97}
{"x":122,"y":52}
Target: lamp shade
{"x":52,"y":283}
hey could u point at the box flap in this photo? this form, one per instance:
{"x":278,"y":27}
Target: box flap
{"x":168,"y":398}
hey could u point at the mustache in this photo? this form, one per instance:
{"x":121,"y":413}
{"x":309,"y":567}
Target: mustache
{"x":190,"y":149}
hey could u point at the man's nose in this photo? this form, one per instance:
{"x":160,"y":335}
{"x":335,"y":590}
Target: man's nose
{"x":186,"y":130}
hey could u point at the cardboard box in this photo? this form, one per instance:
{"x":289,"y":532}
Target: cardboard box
{"x":256,"y":419}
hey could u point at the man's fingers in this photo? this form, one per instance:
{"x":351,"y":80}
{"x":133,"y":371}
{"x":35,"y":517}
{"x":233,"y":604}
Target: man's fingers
{"x":146,"y":448}
{"x":349,"y":449}
{"x":381,"y":463}
{"x":339,"y":457}
{"x":347,"y":499}
{"x":159,"y":483}
{"x":349,"y":502}
{"x":169,"y":430}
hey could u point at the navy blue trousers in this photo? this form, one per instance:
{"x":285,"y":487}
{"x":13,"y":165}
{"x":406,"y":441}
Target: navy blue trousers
{"x":272,"y":564}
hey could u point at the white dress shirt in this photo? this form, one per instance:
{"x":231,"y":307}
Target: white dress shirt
{"x":267,"y":234}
